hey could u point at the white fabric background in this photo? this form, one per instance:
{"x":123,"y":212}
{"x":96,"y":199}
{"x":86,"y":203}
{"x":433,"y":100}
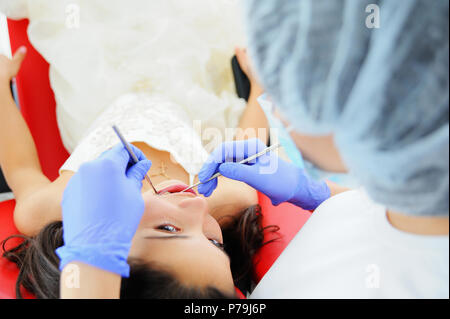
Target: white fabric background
{"x":4,"y":38}
{"x":111,"y":48}
{"x":179,"y":50}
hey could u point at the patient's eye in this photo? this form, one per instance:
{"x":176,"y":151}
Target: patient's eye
{"x":216,"y":243}
{"x":169,"y":228}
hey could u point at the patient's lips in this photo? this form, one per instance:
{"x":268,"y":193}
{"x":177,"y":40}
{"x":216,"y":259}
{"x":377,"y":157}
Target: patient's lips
{"x":177,"y":188}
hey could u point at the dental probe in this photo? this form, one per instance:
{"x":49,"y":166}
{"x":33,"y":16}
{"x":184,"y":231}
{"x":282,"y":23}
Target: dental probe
{"x":133,"y":156}
{"x":245,"y":161}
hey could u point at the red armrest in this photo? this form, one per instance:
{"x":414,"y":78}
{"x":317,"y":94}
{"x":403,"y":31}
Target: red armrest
{"x":8,"y":271}
{"x":37,"y":102}
{"x":290,"y":219}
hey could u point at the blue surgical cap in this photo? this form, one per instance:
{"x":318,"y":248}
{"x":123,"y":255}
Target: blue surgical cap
{"x":383,"y":92}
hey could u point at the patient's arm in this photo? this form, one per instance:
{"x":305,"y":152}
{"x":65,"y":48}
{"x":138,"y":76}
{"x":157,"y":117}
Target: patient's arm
{"x":33,"y":191}
{"x":233,"y":197}
{"x":253,"y":122}
{"x":18,"y":155}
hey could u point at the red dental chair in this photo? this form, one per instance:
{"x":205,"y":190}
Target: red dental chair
{"x":37,"y":105}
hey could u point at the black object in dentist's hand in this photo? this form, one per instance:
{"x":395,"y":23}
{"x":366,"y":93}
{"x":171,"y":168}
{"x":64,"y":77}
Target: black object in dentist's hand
{"x":241,"y":80}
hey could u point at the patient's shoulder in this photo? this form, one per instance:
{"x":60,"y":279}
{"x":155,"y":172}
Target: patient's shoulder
{"x":40,"y":207}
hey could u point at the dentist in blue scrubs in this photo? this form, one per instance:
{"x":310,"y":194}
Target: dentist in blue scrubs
{"x":383,"y":94}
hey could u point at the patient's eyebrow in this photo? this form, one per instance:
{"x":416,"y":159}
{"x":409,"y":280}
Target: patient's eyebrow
{"x":166,"y":237}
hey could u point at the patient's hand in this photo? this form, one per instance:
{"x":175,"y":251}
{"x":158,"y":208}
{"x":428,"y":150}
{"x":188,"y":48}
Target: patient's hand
{"x":247,"y":68}
{"x":10,"y":67}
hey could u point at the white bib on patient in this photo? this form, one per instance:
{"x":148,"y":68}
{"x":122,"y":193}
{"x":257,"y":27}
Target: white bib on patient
{"x":150,"y":119}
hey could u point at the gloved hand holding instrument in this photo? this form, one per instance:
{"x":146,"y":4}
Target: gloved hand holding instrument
{"x":102,"y":207}
{"x":279,"y":180}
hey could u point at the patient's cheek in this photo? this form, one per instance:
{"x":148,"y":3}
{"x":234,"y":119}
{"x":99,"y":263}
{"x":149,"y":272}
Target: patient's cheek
{"x":150,"y":207}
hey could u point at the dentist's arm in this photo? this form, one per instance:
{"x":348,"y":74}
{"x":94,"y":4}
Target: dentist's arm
{"x":102,"y":207}
{"x":279,"y":180}
{"x":82,"y":281}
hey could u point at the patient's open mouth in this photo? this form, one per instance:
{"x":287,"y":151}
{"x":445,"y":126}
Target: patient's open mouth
{"x":176,"y":189}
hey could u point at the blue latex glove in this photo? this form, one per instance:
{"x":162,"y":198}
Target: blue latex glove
{"x":279,"y":180}
{"x":102,"y":207}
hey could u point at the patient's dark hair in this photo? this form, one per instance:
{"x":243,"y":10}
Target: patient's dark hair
{"x":39,"y":273}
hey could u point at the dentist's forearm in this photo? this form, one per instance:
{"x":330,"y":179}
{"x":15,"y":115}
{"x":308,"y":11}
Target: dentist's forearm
{"x":82,"y":281}
{"x":336,"y":189}
{"x":18,"y":154}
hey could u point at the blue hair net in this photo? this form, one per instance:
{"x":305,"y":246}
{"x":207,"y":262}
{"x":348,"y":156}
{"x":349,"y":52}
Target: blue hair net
{"x":383,"y":92}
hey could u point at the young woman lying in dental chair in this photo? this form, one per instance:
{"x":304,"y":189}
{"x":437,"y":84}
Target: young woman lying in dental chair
{"x":200,"y":266}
